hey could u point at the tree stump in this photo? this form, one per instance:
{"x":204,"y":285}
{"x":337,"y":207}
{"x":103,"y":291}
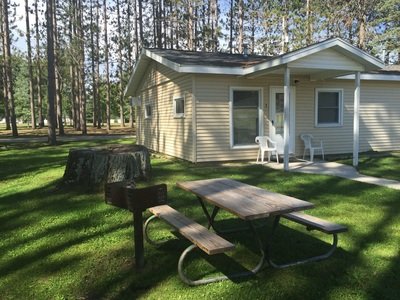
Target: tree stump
{"x":95,"y":166}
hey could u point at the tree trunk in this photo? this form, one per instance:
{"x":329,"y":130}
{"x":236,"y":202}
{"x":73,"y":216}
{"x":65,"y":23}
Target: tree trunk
{"x":131,"y":116}
{"x":190,"y":26}
{"x":309,"y":22}
{"x":5,"y":98}
{"x":95,"y":166}
{"x":240,"y":27}
{"x":39,"y":69}
{"x":231,"y":29}
{"x":3,"y":72}
{"x":81,"y":65}
{"x":140,"y":23}
{"x":51,"y":86}
{"x":93,"y":65}
{"x":171,"y":26}
{"x":108,"y":96}
{"x":285,"y":27}
{"x":136,"y":32}
{"x":120,"y":68}
{"x":30,"y":67}
{"x":57,"y":73}
{"x":362,"y":31}
{"x":214,"y":25}
{"x":8,"y":69}
{"x":72,"y":68}
{"x":97,"y":70}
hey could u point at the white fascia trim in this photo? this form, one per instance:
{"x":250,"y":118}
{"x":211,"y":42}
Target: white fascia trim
{"x":212,"y":70}
{"x":378,"y":77}
{"x":132,"y":85}
{"x":162,"y":60}
{"x":376,"y":62}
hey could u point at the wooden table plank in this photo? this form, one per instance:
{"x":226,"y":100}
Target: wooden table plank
{"x":245,"y":201}
{"x":208,"y":241}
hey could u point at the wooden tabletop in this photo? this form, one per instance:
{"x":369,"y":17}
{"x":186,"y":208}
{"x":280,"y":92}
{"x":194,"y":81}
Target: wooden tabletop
{"x":245,"y":201}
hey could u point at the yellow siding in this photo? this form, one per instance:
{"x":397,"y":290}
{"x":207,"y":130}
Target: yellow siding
{"x":335,"y":139}
{"x":380,"y":116}
{"x":213,"y":119}
{"x":162,"y":132}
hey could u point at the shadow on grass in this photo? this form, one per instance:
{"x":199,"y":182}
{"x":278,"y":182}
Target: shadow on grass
{"x":199,"y":265}
{"x":326,"y":192}
{"x":37,"y":158}
{"x":43,"y":223}
{"x":95,"y":240}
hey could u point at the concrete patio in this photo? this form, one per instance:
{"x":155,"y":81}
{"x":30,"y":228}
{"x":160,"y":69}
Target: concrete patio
{"x":334,"y":169}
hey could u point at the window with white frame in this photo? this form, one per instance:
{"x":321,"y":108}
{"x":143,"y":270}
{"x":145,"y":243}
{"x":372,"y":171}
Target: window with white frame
{"x":179,"y":107}
{"x":147,"y":111}
{"x":328,"y":107}
{"x":245,"y":115}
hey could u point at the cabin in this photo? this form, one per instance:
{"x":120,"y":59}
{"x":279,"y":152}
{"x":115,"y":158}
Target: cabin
{"x":205,"y":107}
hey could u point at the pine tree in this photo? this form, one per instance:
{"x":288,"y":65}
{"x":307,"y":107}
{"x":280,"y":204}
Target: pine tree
{"x":388,"y":37}
{"x":38,"y":68}
{"x":51,"y":85}
{"x":3,"y":72}
{"x":106,"y":61}
{"x":8,"y":78}
{"x":30,"y":66}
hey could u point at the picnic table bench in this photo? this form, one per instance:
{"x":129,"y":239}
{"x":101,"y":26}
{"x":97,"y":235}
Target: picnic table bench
{"x":312,"y":223}
{"x":200,"y":237}
{"x":206,"y":240}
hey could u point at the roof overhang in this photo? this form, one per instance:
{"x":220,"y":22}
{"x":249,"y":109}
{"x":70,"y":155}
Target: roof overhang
{"x":365,"y":62}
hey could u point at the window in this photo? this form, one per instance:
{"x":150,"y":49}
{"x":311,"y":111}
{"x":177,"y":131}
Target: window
{"x":329,"y":107}
{"x":245,"y":116}
{"x":179,"y":107}
{"x":147,"y":111}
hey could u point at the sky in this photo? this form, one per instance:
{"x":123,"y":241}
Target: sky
{"x":20,"y":24}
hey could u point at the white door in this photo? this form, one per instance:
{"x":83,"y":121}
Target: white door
{"x":276,"y":122}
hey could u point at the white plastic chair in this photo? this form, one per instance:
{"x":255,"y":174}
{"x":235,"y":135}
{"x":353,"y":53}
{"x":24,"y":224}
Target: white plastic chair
{"x":311,"y":145}
{"x":266,"y":144}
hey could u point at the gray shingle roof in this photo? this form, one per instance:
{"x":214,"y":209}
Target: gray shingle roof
{"x":388,"y":70}
{"x":210,"y":58}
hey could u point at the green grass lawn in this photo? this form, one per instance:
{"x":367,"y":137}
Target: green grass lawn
{"x":64,"y":243}
{"x":386,"y":166}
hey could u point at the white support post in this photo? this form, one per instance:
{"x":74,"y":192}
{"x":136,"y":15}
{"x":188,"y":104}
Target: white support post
{"x":356,"y":121}
{"x":286,"y":118}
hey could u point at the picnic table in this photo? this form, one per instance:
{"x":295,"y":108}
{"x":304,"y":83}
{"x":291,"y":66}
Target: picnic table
{"x":248,"y":203}
{"x":245,"y":201}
